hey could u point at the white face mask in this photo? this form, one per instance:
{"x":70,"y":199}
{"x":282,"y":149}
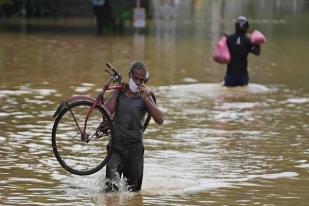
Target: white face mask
{"x":132,"y":85}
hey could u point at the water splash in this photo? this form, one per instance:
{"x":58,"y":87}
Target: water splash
{"x":211,"y":90}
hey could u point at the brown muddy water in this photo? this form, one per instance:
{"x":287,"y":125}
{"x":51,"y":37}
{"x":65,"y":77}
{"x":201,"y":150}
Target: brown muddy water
{"x":218,"y":146}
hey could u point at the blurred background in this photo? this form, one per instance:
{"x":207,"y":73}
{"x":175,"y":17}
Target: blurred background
{"x":219,"y":146}
{"x":67,"y":32}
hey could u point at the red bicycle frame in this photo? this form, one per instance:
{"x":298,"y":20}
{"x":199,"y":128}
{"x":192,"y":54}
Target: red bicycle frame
{"x":99,"y":101}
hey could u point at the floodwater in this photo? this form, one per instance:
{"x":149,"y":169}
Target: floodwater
{"x":218,"y":146}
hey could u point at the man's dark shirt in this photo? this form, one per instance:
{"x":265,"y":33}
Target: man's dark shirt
{"x":240,"y":46}
{"x":129,"y":119}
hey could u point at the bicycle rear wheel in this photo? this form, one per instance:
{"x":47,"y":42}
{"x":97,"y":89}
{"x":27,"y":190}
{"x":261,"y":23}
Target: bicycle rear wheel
{"x":78,"y":153}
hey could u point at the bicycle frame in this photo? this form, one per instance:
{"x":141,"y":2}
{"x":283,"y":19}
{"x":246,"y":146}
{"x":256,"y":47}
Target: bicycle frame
{"x":98,"y":101}
{"x":115,"y":77}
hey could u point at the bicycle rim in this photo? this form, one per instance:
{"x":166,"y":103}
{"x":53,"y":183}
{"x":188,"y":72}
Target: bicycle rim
{"x":77,"y":155}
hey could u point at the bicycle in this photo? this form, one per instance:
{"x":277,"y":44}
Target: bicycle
{"x":82,"y":130}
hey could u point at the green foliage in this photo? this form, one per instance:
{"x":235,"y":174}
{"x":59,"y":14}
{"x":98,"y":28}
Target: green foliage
{"x":122,"y":10}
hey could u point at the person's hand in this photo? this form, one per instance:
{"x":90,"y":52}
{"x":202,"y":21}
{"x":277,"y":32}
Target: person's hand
{"x":144,"y":92}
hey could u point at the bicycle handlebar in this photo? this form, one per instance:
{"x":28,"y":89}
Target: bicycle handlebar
{"x":116,"y":76}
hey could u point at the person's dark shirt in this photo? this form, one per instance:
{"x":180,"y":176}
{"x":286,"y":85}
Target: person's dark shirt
{"x":129,"y":119}
{"x":240,"y":46}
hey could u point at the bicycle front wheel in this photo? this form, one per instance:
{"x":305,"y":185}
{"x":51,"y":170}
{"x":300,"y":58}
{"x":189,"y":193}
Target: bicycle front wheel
{"x":78,"y":152}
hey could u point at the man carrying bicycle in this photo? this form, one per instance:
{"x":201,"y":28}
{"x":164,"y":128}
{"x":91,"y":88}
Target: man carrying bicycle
{"x":129,"y":108}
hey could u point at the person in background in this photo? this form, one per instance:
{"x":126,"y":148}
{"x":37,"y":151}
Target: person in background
{"x":240,"y":46}
{"x":129,"y":108}
{"x":102,"y":11}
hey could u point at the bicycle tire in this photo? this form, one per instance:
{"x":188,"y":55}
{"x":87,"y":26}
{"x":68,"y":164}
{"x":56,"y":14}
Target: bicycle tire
{"x":63,"y":134}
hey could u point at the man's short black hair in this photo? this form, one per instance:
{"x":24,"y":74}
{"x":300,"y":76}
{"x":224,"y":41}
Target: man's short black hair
{"x":137,"y":65}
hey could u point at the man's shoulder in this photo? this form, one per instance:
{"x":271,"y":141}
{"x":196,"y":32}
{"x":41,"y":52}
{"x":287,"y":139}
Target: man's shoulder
{"x":230,"y":35}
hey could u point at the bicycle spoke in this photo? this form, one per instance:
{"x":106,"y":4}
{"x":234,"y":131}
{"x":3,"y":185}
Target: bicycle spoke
{"x":94,"y":135}
{"x":76,"y":135}
{"x":75,"y":120}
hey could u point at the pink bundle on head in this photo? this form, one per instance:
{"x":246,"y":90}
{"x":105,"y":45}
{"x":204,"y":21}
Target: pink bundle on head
{"x":257,"y":38}
{"x":221,"y":53}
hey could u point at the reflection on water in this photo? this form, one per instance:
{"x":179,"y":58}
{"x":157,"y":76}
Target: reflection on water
{"x":239,"y":146}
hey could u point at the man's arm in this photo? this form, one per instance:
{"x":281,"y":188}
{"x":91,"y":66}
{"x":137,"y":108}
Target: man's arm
{"x":154,"y":111}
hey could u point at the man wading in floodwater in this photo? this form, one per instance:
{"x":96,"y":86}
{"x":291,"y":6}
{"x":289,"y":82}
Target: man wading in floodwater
{"x":129,"y":108}
{"x":239,"y":46}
